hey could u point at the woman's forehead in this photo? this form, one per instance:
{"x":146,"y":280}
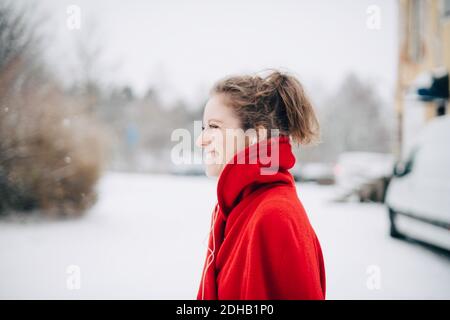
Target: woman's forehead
{"x":217,"y":110}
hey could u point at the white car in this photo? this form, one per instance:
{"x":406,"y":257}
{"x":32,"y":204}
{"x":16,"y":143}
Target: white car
{"x":362,"y":174}
{"x":418,"y":196}
{"x":319,"y":172}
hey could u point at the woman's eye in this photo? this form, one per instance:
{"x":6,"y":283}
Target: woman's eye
{"x":211,"y":126}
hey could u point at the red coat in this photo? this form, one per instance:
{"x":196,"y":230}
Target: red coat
{"x":262,"y":245}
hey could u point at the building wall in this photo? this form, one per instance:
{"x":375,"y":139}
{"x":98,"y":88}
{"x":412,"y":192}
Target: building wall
{"x":424,"y":45}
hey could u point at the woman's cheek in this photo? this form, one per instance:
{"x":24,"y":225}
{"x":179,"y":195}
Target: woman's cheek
{"x":220,"y":147}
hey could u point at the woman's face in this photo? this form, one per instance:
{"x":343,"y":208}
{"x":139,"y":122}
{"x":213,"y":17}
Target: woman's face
{"x":222,"y":136}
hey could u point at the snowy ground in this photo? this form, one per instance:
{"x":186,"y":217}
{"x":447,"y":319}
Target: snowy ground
{"x":146,"y":238}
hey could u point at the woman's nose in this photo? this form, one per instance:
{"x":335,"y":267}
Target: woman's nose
{"x":202,"y":140}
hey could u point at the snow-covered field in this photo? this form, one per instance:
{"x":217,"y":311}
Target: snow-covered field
{"x":146,"y":239}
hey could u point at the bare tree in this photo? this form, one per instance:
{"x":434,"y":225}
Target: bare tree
{"x":49,"y":158}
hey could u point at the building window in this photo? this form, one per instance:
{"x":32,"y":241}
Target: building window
{"x":416,"y":29}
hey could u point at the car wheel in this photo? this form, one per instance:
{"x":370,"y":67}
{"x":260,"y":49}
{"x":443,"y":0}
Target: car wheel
{"x":393,"y":232}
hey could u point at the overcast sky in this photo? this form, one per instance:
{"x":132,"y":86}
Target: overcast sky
{"x":184,"y":46}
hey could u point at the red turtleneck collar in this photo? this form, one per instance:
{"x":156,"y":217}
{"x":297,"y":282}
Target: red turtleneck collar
{"x":266,"y":162}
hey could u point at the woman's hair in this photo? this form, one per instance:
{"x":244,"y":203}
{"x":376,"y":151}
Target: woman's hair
{"x":276,"y":101}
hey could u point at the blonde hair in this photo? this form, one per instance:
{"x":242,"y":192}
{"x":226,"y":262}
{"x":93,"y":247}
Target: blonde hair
{"x":276,"y":101}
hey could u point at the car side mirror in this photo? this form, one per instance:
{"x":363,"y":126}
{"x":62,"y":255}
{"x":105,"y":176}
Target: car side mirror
{"x":402,"y":168}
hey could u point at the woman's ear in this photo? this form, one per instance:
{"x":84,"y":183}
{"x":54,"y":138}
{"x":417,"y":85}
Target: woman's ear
{"x":251,"y":139}
{"x":261,"y":133}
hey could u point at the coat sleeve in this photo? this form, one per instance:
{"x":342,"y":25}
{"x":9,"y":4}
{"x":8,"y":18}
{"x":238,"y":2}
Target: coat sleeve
{"x":283,"y":258}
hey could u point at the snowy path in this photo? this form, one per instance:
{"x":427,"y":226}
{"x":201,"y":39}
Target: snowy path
{"x":146,"y":239}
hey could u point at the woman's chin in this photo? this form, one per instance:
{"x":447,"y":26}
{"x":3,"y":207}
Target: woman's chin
{"x":213,"y":170}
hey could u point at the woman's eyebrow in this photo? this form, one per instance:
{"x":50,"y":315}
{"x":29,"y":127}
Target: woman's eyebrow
{"x":209,"y":121}
{"x":215,"y":120}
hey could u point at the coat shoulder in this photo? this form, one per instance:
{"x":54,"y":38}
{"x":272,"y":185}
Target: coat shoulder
{"x":279,"y":200}
{"x":280,"y":206}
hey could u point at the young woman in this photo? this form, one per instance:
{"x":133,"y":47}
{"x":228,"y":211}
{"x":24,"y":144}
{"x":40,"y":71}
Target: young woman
{"x":261,"y":243}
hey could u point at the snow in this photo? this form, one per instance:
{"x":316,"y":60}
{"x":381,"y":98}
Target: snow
{"x":146,"y":239}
